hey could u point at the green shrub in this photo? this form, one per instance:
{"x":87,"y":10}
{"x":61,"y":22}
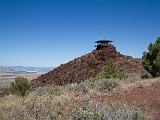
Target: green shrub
{"x":91,"y":83}
{"x":82,"y":87}
{"x":54,"y":90}
{"x":21,"y":86}
{"x":151,"y":59}
{"x":111,"y":112}
{"x":1,"y":116}
{"x":85,"y":114}
{"x":111,"y":71}
{"x":106,"y":84}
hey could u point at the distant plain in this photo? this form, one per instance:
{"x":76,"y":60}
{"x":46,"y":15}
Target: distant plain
{"x":7,"y":78}
{"x":9,"y":73}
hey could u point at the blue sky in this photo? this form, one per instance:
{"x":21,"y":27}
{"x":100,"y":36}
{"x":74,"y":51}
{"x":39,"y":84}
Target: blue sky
{"x":53,"y":32}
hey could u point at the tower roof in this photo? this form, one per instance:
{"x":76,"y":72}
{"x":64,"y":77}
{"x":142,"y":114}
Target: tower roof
{"x":104,"y":41}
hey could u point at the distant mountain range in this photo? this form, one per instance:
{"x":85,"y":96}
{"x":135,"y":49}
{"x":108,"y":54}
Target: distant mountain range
{"x":22,"y":69}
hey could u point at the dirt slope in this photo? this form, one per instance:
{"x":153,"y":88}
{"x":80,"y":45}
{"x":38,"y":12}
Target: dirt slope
{"x":88,"y":66}
{"x":144,"y":94}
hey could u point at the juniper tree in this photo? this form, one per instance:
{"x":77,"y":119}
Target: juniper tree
{"x":21,"y":86}
{"x":151,"y":58}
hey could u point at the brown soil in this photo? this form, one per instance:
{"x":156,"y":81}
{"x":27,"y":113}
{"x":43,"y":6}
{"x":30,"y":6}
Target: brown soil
{"x":145,"y":97}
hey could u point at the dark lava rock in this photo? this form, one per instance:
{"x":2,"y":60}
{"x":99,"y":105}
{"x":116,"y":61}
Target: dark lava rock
{"x":88,"y":66}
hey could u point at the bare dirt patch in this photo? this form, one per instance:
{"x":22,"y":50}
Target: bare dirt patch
{"x":144,"y":94}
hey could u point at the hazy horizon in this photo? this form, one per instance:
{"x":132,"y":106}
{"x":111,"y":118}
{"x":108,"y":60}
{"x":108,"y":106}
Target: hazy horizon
{"x":19,"y":65}
{"x":48,"y":33}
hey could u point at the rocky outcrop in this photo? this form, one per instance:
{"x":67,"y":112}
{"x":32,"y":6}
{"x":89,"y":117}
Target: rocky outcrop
{"x":88,"y":66}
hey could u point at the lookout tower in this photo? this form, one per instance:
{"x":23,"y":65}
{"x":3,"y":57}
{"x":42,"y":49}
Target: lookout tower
{"x":103,"y":43}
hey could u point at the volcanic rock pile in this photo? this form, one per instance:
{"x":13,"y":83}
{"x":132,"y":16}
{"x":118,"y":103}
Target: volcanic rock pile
{"x":88,"y":66}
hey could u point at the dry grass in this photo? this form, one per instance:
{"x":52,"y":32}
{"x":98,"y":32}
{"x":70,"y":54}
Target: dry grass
{"x":74,"y":105}
{"x":63,"y":108}
{"x":140,"y":83}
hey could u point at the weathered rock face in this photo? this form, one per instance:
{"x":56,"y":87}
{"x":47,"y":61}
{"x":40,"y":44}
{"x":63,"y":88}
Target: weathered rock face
{"x":88,"y":66}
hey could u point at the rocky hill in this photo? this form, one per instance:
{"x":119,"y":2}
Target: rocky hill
{"x":88,"y":66}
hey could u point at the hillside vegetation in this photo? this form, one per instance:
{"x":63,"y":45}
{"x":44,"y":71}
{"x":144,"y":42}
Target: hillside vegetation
{"x":86,"y":101}
{"x":151,"y":58}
